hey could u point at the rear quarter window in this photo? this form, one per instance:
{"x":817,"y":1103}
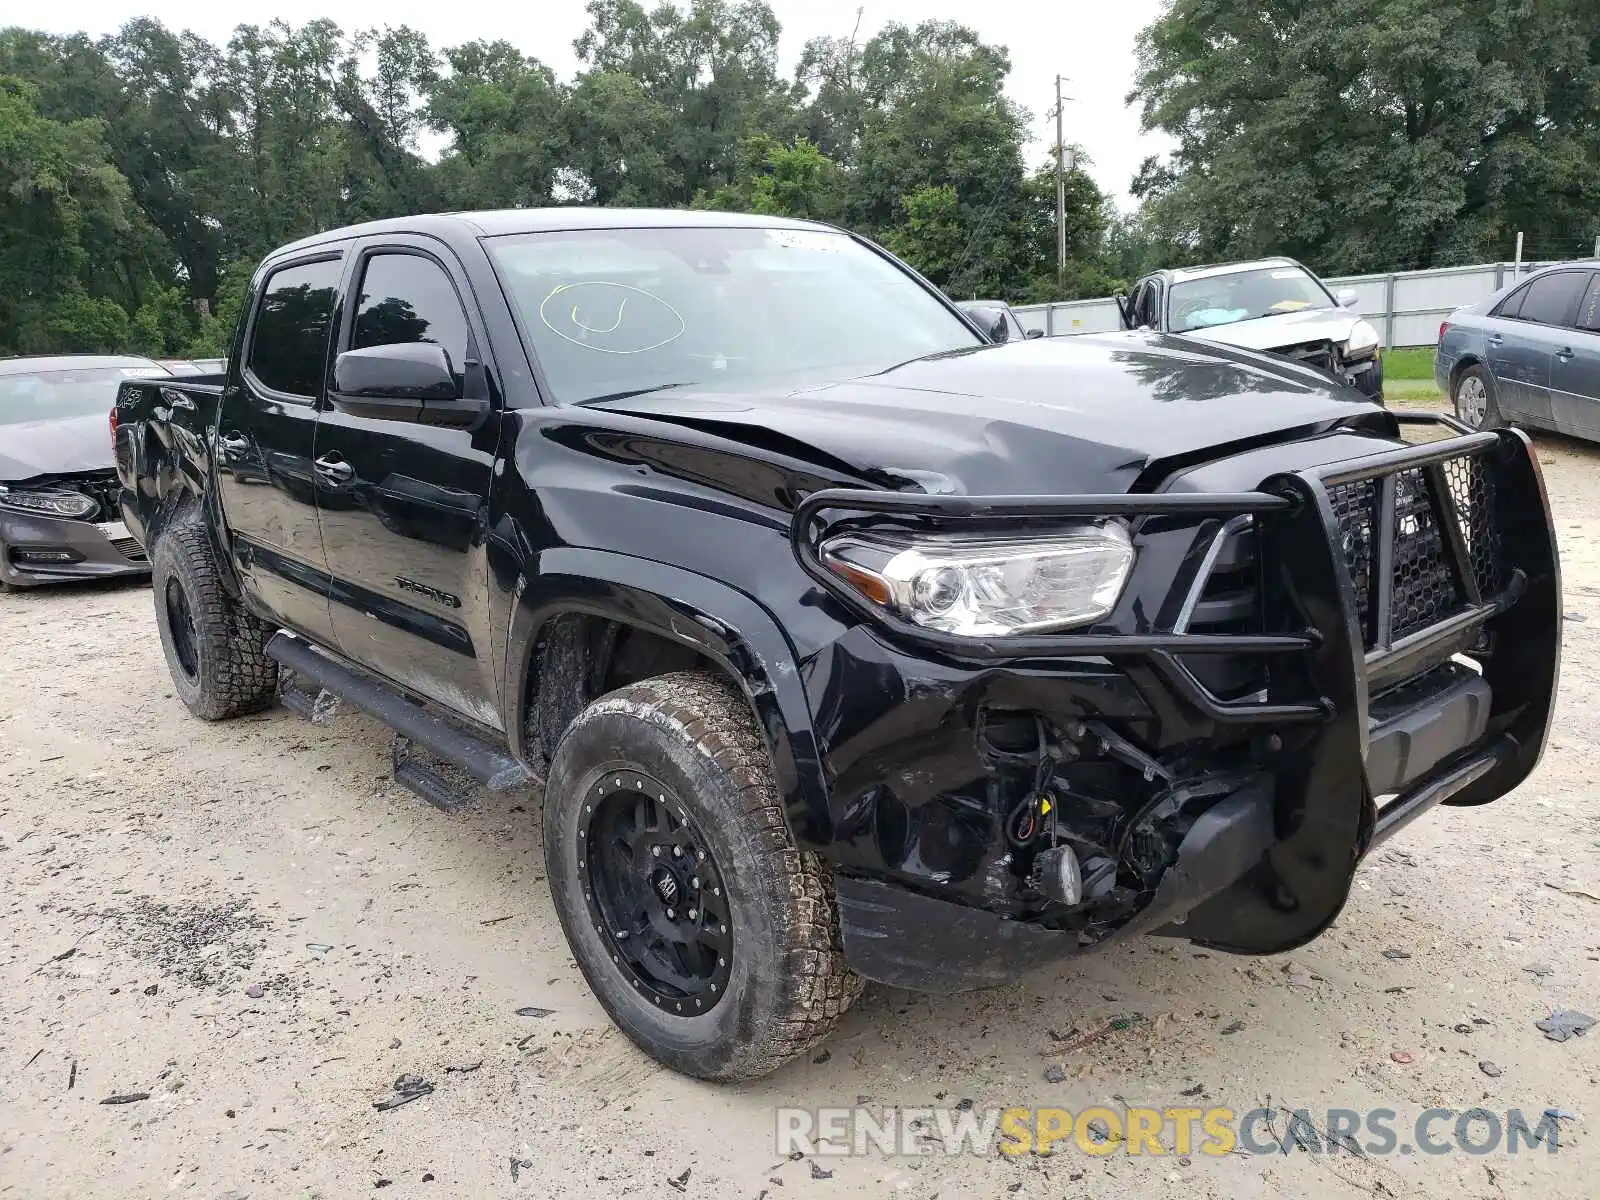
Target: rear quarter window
{"x":289,"y":339}
{"x":1512,"y":304}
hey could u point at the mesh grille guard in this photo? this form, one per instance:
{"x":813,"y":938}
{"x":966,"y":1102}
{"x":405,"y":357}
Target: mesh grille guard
{"x":1413,"y":556}
{"x":1430,"y":514}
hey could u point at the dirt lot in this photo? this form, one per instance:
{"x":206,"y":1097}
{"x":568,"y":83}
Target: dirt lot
{"x":253,"y":925}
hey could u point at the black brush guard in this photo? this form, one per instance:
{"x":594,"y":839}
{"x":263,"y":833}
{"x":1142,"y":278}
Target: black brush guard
{"x":1349,"y":627}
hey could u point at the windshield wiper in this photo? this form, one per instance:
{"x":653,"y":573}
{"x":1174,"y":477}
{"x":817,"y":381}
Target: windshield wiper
{"x":632,"y":392}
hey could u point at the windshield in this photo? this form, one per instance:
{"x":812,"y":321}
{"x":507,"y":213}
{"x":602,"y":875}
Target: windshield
{"x":627,"y":310}
{"x":1243,"y":296}
{"x":58,"y":395}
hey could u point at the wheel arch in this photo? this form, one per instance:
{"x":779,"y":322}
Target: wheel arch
{"x":569,"y":640}
{"x":1459,"y":368}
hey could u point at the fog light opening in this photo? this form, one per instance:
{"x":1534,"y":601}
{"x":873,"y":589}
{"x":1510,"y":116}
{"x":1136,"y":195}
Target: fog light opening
{"x":44,"y":556}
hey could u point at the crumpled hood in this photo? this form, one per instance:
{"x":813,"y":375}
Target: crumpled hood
{"x":1076,"y":414}
{"x":1285,"y":329}
{"x":63,"y":447}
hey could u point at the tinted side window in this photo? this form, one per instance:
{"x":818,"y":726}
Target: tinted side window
{"x":1512,"y":304}
{"x":1589,"y":306}
{"x":408,"y":298}
{"x":1553,"y":299}
{"x":289,"y":341}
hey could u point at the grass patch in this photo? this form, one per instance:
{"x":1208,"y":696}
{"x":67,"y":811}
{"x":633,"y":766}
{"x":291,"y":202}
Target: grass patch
{"x":1415,"y":362}
{"x":1412,"y":393}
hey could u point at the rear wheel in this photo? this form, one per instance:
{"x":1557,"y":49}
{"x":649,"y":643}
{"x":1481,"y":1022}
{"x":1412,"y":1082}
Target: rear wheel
{"x":215,"y":650}
{"x":1473,"y":397}
{"x":709,"y":937}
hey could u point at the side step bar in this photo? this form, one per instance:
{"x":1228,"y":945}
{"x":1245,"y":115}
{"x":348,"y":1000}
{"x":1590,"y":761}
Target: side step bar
{"x":492,"y":767}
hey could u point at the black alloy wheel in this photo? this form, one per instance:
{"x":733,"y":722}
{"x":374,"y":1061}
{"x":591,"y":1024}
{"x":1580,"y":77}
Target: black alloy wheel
{"x":654,"y":892}
{"x":180,"y":620}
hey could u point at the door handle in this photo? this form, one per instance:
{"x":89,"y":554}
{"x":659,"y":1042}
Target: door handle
{"x":234,"y":444}
{"x":335,"y":470}
{"x":1496,"y":340}
{"x":1564,"y":354}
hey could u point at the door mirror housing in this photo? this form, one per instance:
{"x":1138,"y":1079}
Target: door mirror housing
{"x":1123,"y":312}
{"x":990,"y":320}
{"x":405,"y":381}
{"x":1348,"y":297}
{"x":402,"y":371}
{"x":1033,"y":335}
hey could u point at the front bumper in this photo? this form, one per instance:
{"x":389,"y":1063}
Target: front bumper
{"x":37,"y":549}
{"x":1362,"y":703}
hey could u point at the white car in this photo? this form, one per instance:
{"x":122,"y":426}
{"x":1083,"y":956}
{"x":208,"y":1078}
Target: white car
{"x":1275,"y":304}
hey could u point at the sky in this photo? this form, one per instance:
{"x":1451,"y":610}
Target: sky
{"x":1088,"y":41}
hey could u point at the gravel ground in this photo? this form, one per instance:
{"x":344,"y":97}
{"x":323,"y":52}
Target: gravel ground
{"x":253,"y":925}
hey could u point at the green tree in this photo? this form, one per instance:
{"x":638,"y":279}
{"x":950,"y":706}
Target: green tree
{"x":219,"y":318}
{"x":504,"y":113}
{"x":61,"y":204}
{"x":1373,"y":134}
{"x":203,"y":157}
{"x":782,"y":181}
{"x":619,"y":139}
{"x":163,"y":325}
{"x":931,"y":237}
{"x":934,"y":116}
{"x":712,"y":68}
{"x":1089,"y":212}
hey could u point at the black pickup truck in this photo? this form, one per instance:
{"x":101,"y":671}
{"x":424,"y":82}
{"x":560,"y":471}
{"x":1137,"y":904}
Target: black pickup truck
{"x":844,"y":643}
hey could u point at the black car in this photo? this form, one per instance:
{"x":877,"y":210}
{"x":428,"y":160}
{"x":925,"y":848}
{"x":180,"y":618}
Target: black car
{"x":59,"y":518}
{"x":844,"y":643}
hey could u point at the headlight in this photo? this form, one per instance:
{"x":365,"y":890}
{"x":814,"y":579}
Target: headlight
{"x":51,"y":504}
{"x":980,"y":586}
{"x":1363,"y":340}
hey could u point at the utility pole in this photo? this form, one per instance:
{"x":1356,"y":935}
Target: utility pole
{"x":1061,"y":192}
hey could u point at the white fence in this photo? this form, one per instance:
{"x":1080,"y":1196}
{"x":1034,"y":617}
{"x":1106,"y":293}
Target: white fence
{"x":1406,"y":306}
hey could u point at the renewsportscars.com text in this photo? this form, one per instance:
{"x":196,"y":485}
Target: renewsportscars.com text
{"x":1179,"y":1131}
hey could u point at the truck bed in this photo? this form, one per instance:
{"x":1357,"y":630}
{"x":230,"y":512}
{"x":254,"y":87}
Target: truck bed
{"x":165,"y":432}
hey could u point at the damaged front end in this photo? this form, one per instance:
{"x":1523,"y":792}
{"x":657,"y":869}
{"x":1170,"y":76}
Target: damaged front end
{"x":1326,"y":658}
{"x":56,"y":528}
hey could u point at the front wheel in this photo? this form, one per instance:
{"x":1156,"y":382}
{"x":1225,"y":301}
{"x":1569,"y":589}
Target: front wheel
{"x":1473,"y":397}
{"x":709,"y":937}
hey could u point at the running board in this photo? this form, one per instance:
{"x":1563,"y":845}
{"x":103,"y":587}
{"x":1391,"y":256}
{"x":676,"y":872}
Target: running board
{"x":489,"y":765}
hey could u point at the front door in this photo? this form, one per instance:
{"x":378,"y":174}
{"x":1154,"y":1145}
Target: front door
{"x":403,"y":506}
{"x":1575,"y":376}
{"x":265,"y":434}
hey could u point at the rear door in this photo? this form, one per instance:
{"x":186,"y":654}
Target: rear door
{"x":265,"y":434}
{"x":403,"y":506}
{"x":1575,"y":375}
{"x":1522,"y":351}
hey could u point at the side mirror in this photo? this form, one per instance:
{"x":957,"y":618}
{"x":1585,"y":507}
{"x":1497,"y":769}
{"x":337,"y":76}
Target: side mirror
{"x":406,"y":381}
{"x":1123,"y":314}
{"x":1348,"y":297}
{"x":1033,"y":334}
{"x":991,"y":321}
